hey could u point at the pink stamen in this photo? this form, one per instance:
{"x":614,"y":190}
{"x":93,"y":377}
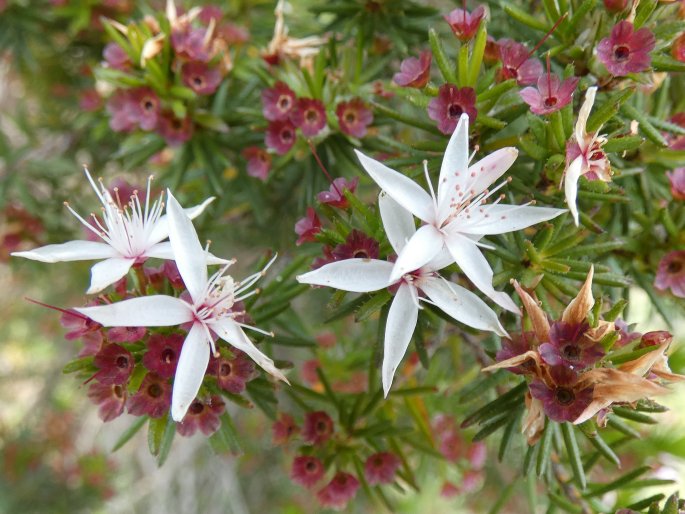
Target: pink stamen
{"x":544,"y":38}
{"x":59,"y":309}
{"x":323,"y":168}
{"x":549,"y":78}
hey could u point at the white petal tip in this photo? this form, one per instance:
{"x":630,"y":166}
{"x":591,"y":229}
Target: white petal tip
{"x":178,"y":412}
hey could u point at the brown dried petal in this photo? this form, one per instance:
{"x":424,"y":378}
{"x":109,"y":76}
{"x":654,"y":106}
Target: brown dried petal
{"x":534,"y":422}
{"x":515,"y":361}
{"x":662,"y":370}
{"x":615,"y":386}
{"x":537,"y":316}
{"x":643,"y":364}
{"x":151,"y":48}
{"x":603,"y":328}
{"x":577,"y":310}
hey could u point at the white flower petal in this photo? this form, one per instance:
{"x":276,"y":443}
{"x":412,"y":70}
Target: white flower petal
{"x":571,"y":186}
{"x":399,"y":328}
{"x":474,"y":265}
{"x":454,"y":164}
{"x":71,"y":251}
{"x":584,"y":114}
{"x":188,"y":253}
{"x":441,"y":260}
{"x":165,"y":251}
{"x":108,"y":272}
{"x":190,"y":371}
{"x":490,"y":168}
{"x":230,"y":332}
{"x":161,"y":229}
{"x":397,"y":221}
{"x":146,"y":311}
{"x":356,"y":275}
{"x":501,"y":218}
{"x":420,"y":249}
{"x":462,"y":305}
{"x":404,"y":190}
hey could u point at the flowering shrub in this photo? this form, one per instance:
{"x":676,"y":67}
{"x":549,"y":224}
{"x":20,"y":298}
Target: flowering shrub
{"x":445,"y":237}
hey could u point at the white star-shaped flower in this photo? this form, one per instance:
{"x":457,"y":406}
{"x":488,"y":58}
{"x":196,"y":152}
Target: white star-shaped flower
{"x":210,"y":310}
{"x":365,"y":275}
{"x":130,"y":234}
{"x":584,"y":156}
{"x":458,"y":217}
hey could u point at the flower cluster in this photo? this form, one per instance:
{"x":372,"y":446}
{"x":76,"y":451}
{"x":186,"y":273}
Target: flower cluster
{"x":308,"y":470}
{"x":287,"y":113}
{"x":163,"y":70}
{"x":150,"y":372}
{"x":568,"y":364}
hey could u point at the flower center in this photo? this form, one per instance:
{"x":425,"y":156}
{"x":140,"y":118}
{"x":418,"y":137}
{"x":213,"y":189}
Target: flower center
{"x":284,"y":102}
{"x":571,"y":352}
{"x":310,"y":466}
{"x":198,"y":81}
{"x":321,"y":427}
{"x":168,"y":356}
{"x":225,"y":369}
{"x":674,"y":267}
{"x":621,"y":53}
{"x":564,"y":396}
{"x":311,"y":116}
{"x":148,"y":104}
{"x":350,"y":117}
{"x":455,"y":110}
{"x":118,"y":391}
{"x":551,"y":101}
{"x":154,"y":391}
{"x":287,"y":135}
{"x":122,"y":362}
{"x":361,"y":254}
{"x":196,"y":408}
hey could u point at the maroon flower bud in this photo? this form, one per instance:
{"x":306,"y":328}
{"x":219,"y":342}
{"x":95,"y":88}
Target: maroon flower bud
{"x":162,"y":354}
{"x":284,"y":428}
{"x":258,"y":162}
{"x":278,"y":102}
{"x":357,"y":246}
{"x":232,"y":374}
{"x":450,"y":104}
{"x":318,"y":427}
{"x":309,"y":115}
{"x":308,"y":227}
{"x":380,"y":468}
{"x":125,"y":334}
{"x":280,"y":136}
{"x":199,"y":77}
{"x":671,"y":273}
{"x":414,"y":72}
{"x":564,"y":399}
{"x":306,"y":471}
{"x":110,"y":397}
{"x":115,"y":363}
{"x":335,"y":194}
{"x":339,"y":491}
{"x":615,"y":6}
{"x":516,"y":64}
{"x":175,"y":131}
{"x":202,"y":415}
{"x":354,"y":117}
{"x":152,"y":399}
{"x":465,"y":24}
{"x":626,"y":50}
